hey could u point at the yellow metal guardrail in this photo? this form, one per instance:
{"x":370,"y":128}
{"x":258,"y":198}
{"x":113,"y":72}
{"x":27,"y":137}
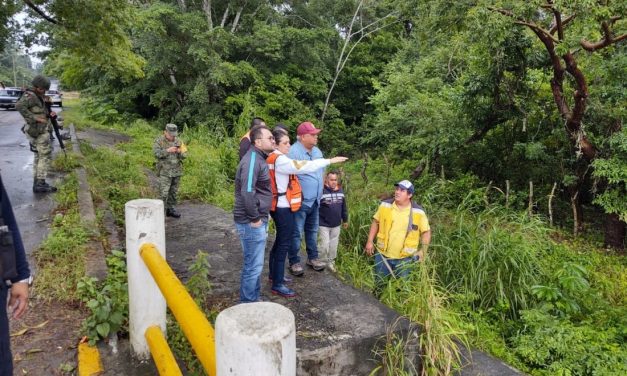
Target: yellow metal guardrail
{"x":192,"y":320}
{"x":163,"y":357}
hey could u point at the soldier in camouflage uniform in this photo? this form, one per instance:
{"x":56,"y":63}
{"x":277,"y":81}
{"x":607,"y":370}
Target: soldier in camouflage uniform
{"x":170,"y":152}
{"x":32,"y":107}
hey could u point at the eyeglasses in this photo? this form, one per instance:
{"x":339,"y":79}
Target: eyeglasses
{"x":271,"y":138}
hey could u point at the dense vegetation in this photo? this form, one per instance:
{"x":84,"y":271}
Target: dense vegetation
{"x":508,"y":115}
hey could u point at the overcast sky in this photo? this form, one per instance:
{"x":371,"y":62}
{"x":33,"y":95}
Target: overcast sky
{"x":34,"y":49}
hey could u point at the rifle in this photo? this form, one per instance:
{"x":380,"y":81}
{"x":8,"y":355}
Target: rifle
{"x":56,"y":127}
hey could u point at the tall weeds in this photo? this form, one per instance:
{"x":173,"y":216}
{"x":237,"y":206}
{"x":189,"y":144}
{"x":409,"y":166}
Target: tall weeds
{"x":419,"y":298}
{"x":491,"y":255}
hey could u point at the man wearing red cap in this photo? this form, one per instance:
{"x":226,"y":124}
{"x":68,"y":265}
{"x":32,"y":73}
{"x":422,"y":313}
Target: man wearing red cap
{"x":306,"y":217}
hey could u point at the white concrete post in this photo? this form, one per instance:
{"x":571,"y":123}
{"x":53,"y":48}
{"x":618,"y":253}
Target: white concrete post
{"x":145,"y":223}
{"x":256,"y":339}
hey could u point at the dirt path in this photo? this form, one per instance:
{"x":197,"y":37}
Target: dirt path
{"x":46,"y":339}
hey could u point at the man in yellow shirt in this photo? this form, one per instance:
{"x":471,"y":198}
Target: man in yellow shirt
{"x":400,"y":226}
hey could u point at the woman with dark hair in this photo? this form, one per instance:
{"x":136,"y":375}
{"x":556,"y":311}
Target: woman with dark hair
{"x":282,"y":171}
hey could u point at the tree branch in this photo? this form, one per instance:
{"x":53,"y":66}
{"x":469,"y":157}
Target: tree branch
{"x":565,"y":22}
{"x":557,"y":19}
{"x":607,"y":37}
{"x":40,"y":12}
{"x":533,"y":26}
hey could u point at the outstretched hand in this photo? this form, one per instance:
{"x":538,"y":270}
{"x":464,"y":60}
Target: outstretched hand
{"x":338,"y":159}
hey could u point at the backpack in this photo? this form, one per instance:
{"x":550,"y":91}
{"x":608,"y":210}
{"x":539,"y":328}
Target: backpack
{"x":294,"y":192}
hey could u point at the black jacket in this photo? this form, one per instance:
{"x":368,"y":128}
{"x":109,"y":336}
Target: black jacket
{"x":253,"y":193}
{"x":23,"y":271}
{"x":333,"y":209}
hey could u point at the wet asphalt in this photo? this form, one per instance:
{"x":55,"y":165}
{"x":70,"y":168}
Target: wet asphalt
{"x":16,"y":166}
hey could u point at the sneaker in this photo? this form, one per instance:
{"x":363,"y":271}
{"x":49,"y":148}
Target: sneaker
{"x":297,"y":269}
{"x":284,"y":291}
{"x":331,"y":267}
{"x":316,"y":264}
{"x":286,"y":279}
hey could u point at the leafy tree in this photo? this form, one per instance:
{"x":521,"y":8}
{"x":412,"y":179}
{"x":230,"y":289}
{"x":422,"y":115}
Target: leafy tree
{"x":86,"y":37}
{"x":564,"y":28}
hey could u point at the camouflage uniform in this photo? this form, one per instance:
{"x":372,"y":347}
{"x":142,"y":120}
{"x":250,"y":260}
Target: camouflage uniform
{"x":32,"y":107}
{"x":169,"y":168}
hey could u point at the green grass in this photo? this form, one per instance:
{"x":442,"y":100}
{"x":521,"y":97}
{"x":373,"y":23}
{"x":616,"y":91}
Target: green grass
{"x":60,"y":257}
{"x":115,"y":178}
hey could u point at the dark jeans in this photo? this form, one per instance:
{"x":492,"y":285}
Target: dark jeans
{"x":284,"y":222}
{"x":6,"y":360}
{"x":400,"y":267}
{"x":306,"y":220}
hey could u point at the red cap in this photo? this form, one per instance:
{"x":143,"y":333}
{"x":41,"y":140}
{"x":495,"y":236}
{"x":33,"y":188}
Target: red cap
{"x":307,"y":128}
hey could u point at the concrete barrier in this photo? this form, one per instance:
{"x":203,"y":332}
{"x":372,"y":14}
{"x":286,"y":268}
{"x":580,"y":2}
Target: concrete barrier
{"x":256,"y":339}
{"x":145,"y":223}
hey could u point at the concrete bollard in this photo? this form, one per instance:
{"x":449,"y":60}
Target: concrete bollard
{"x":145,"y":223}
{"x":256,"y":339}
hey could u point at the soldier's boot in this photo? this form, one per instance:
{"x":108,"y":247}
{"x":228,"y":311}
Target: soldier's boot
{"x":172,"y":213}
{"x":41,"y":186}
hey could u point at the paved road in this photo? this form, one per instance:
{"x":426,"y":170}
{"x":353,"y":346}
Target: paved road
{"x":16,"y":165}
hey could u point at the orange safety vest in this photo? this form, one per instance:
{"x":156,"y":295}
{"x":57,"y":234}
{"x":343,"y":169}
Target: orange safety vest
{"x":294,"y":193}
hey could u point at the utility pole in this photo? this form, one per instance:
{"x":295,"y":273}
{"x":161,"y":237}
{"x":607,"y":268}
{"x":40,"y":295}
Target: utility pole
{"x":14,"y":71}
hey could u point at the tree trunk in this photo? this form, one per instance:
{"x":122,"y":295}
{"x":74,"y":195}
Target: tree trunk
{"x":551,"y":204}
{"x":615,"y":232}
{"x":236,"y":20}
{"x":225,"y":15}
{"x":418,"y":170}
{"x":575,"y":204}
{"x":530,"y":208}
{"x":486,"y":195}
{"x":388,"y":168}
{"x":182,"y":5}
{"x":206,"y":7}
{"x":363,"y":169}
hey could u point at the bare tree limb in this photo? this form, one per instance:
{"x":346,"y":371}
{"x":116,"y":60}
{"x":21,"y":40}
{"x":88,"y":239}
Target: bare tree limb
{"x":41,"y":12}
{"x":344,"y":54}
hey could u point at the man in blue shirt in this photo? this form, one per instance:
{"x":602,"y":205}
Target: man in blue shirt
{"x":307,"y":216}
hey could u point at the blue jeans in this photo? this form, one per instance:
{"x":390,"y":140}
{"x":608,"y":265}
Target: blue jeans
{"x":253,"y":241}
{"x":6,"y":360}
{"x":401,"y":267}
{"x":305,"y":220}
{"x":284,"y":221}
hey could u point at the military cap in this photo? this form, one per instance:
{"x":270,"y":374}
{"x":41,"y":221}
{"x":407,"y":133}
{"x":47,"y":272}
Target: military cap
{"x":172,"y":129}
{"x":41,"y":82}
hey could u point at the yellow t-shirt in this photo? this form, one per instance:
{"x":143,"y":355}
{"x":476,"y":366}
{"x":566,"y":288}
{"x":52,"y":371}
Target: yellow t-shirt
{"x":398,"y":231}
